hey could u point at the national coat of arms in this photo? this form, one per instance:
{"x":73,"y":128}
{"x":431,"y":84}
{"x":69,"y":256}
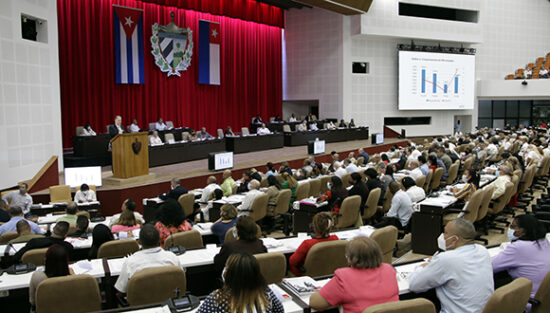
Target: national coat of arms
{"x":172,"y":47}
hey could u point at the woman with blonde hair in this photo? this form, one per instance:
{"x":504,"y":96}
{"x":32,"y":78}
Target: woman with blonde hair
{"x":289,"y":182}
{"x":244,"y":289}
{"x":126,"y":222}
{"x":322,"y":225}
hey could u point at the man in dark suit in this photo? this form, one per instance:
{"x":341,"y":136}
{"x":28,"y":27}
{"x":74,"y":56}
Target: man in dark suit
{"x":363,"y":154}
{"x":58,"y":236}
{"x":175,"y":192}
{"x":116,"y":128}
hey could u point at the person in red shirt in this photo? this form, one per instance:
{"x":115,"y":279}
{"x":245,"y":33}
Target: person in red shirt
{"x":322,"y":224}
{"x":365,"y":283}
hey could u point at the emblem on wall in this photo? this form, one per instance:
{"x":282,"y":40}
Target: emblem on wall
{"x":172,"y":47}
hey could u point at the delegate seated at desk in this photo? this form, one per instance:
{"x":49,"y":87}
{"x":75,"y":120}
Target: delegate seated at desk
{"x":246,"y":207}
{"x":59,"y":233}
{"x":313,"y":126}
{"x":292,"y":118}
{"x":229,"y":132}
{"x":128,"y":204}
{"x":85,"y":195}
{"x":462,"y":275}
{"x":87,"y":130}
{"x":24,"y":232}
{"x":151,"y":255}
{"x":155,"y":139}
{"x":16,"y":215}
{"x":401,"y":208}
{"x":227,"y":184}
{"x":262,"y":130}
{"x":203,"y":134}
{"x":175,"y":190}
{"x":160,"y":125}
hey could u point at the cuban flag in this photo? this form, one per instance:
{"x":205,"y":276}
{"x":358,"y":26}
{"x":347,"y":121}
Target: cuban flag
{"x":209,"y":52}
{"x":128,"y":36}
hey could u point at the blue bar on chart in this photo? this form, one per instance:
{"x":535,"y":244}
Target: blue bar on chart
{"x":423,"y":80}
{"x":445,"y":88}
{"x":435,"y":83}
{"x":456,"y":84}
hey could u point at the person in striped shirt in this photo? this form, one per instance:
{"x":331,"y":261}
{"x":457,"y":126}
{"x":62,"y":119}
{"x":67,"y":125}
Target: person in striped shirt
{"x":471,"y":177}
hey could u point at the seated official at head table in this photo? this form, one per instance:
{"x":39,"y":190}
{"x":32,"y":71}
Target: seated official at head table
{"x":16,"y":215}
{"x":292,"y":118}
{"x":160,"y":125}
{"x":85,"y":194}
{"x":176,"y":190}
{"x":462,"y":275}
{"x":59,"y":233}
{"x":367,"y":282}
{"x":154,"y":139}
{"x":134,"y":127}
{"x":151,"y":255}
{"x":203,"y":134}
{"x":302,"y":127}
{"x":19,"y":198}
{"x":257,"y":120}
{"x":243,"y":288}
{"x":87,"y":130}
{"x":229,"y":131}
{"x":262,"y":130}
{"x":313,"y":126}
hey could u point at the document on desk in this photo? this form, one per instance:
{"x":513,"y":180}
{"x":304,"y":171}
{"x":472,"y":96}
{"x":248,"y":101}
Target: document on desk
{"x":160,"y":309}
{"x":442,"y":201}
{"x":82,"y":267}
{"x":115,"y":265}
{"x":302,"y":286}
{"x":271,"y":242}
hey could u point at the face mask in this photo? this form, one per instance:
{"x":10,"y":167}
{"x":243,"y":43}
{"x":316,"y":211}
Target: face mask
{"x":223,"y":275}
{"x":234,"y":232}
{"x":328,"y":186}
{"x":248,"y":186}
{"x":511,"y":235}
{"x":22,"y":191}
{"x":465,"y":178}
{"x":442,"y":242}
{"x":497,"y":173}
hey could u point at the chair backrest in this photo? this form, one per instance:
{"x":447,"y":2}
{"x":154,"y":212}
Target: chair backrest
{"x":168,"y":137}
{"x":485,"y":201}
{"x":187,"y":201}
{"x":436,"y":178}
{"x":117,"y":248}
{"x":157,"y":284}
{"x":60,"y":193}
{"x":428,"y":181}
{"x":151,"y":126}
{"x":512,"y":297}
{"x":7,"y":236}
{"x":92,"y":187}
{"x":229,"y":234}
{"x":468,"y":163}
{"x":349,"y":212}
{"x":418,"y":305}
{"x":169,"y":124}
{"x":360,"y":161}
{"x":34,"y":256}
{"x":543,"y":296}
{"x":345,"y":180}
{"x":286,"y":128}
{"x":283,"y":200}
{"x":528,"y":178}
{"x":107,"y":128}
{"x":314,"y":187}
{"x":302,"y":191}
{"x":386,"y":237}
{"x":420,"y":181}
{"x":245,"y":131}
{"x":220,"y":133}
{"x":259,"y":207}
{"x":264,"y":183}
{"x":371,"y":204}
{"x":326,"y":257}
{"x":388,"y":197}
{"x":452,"y":174}
{"x":185,"y":136}
{"x":191,"y":239}
{"x":502,"y":201}
{"x":272,"y":266}
{"x":79,"y":130}
{"x":324,"y":180}
{"x":474,"y":205}
{"x":72,"y":293}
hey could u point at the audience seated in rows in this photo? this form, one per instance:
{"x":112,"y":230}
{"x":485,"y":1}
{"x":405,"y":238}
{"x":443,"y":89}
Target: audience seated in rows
{"x":70,"y":214}
{"x":100,"y":235}
{"x":335,"y":195}
{"x":401,"y":208}
{"x":253,"y":191}
{"x":415,"y":193}
{"x":16,"y":215}
{"x":175,"y":190}
{"x":24,"y":232}
{"x":58,"y":236}
{"x":471,"y":179}
{"x":227,"y":184}
{"x":127,"y":205}
{"x":82,"y":223}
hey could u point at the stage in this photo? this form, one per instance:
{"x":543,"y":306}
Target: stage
{"x":193,"y":174}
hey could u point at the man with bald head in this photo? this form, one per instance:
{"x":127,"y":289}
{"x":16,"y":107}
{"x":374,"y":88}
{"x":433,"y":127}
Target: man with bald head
{"x":246,"y":207}
{"x":211,"y":185}
{"x":462,"y":275}
{"x":415,"y":171}
{"x":228,"y":183}
{"x":175,"y":190}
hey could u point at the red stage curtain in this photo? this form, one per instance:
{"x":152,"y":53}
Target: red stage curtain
{"x":251,"y":72}
{"x":248,"y":10}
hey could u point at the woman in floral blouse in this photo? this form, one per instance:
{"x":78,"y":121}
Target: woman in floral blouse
{"x":171,"y":220}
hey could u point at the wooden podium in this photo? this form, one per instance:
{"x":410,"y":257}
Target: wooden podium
{"x":130,"y":155}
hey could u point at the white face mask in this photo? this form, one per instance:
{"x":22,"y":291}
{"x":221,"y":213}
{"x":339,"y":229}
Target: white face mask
{"x":223,"y":275}
{"x":511,"y":235}
{"x":442,"y":242}
{"x":328,"y":186}
{"x":465,"y":178}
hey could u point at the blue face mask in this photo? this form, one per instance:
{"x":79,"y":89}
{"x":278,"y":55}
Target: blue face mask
{"x":497,"y":173}
{"x":511,"y":234}
{"x":248,"y":186}
{"x":234,"y":232}
{"x":328,"y":186}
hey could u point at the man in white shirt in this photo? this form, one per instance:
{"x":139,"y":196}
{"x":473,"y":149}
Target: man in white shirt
{"x":413,"y":153}
{"x":350,"y":167}
{"x":543,"y":73}
{"x":302,"y":127}
{"x":159,"y":125}
{"x":313,"y":126}
{"x":499,"y":184}
{"x":85,"y":195}
{"x":150,"y":256}
{"x":246,"y":207}
{"x":413,"y":191}
{"x":211,"y":185}
{"x":339,"y":170}
{"x":401,"y":208}
{"x":462,"y":276}
{"x":134,"y":127}
{"x":492,"y":149}
{"x":415,"y":171}
{"x":128,"y":204}
{"x":155,"y":140}
{"x":292,"y":118}
{"x":262,"y":130}
{"x":19,"y":198}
